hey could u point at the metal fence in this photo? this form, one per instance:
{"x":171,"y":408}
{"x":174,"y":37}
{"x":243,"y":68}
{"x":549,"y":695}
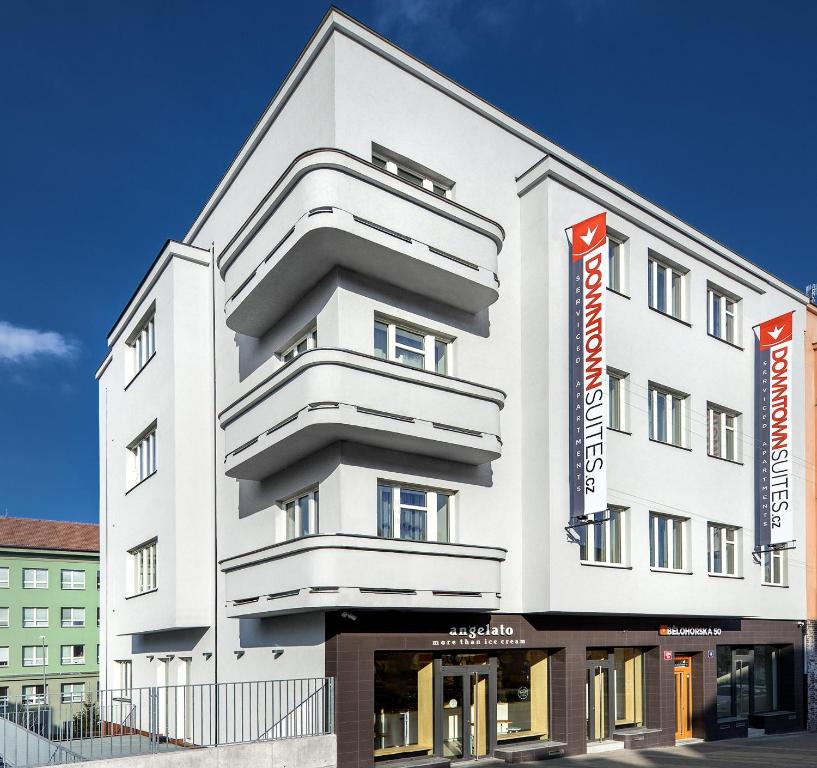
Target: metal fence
{"x":55,"y":729}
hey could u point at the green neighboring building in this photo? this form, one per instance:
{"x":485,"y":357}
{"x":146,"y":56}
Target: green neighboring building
{"x":49,"y":597}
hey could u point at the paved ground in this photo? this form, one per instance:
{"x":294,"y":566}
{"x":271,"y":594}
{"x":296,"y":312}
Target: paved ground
{"x":791,"y":751}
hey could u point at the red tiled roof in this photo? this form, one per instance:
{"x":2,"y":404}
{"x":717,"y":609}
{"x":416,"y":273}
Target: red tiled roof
{"x":48,"y":534}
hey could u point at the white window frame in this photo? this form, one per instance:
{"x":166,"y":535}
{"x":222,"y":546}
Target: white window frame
{"x":35,"y":618}
{"x":69,"y":656}
{"x":678,"y":531}
{"x":730,"y":537}
{"x":4,"y":656}
{"x":72,"y":693}
{"x":655,"y":392}
{"x":614,"y":517}
{"x":75,"y":617}
{"x":33,"y":694}
{"x":308,"y":341}
{"x":769,"y":557}
{"x":428,"y":352}
{"x":618,"y":407}
{"x":424,"y":179}
{"x":142,"y":344}
{"x":671,"y":308}
{"x":37,"y":582}
{"x":73,"y":580}
{"x":36,"y":656}
{"x":4,"y":577}
{"x":125,"y":676}
{"x":717,"y":306}
{"x":431,"y":510}
{"x":4,"y":617}
{"x":617,"y":261}
{"x":143,"y":456}
{"x":293,"y":527}
{"x":718,"y":421}
{"x":144,"y":567}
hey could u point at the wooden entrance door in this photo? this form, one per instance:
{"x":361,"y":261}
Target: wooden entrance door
{"x":683,"y":697}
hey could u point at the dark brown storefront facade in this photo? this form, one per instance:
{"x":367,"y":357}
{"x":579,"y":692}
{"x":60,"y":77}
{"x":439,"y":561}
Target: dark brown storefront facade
{"x":459,"y":686}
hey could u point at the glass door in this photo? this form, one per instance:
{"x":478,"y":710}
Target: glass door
{"x":599,"y":696}
{"x":742,"y":664}
{"x":453,"y":707}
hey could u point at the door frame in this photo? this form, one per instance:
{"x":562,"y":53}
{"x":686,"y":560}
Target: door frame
{"x":466,"y":672}
{"x":589,"y":665}
{"x":676,"y":675}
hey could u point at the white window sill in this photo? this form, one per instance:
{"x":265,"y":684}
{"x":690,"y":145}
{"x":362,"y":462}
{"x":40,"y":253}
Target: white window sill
{"x":143,"y":480}
{"x":779,"y":586}
{"x":678,"y":571}
{"x":724,"y":575}
{"x":594,"y":564}
{"x":140,"y":594}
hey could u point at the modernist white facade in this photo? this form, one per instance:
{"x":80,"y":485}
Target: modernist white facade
{"x":353,"y":398}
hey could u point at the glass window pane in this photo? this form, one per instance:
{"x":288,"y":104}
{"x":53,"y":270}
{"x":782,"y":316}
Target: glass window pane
{"x":292,"y":530}
{"x":716,"y":314}
{"x":599,"y":540}
{"x":663,"y":558}
{"x":412,"y":498}
{"x":661,"y":286}
{"x":413,"y":524}
{"x":381,"y":340}
{"x":384,"y":511}
{"x":614,"y":264}
{"x":677,"y":281}
{"x":615,"y":402}
{"x":716,"y":549}
{"x":407,"y":357}
{"x":409,"y":338}
{"x":676,"y":421}
{"x":441,"y":357}
{"x":678,"y":542}
{"x":303,"y":521}
{"x":443,"y":517}
{"x":615,"y":536}
{"x":661,"y":418}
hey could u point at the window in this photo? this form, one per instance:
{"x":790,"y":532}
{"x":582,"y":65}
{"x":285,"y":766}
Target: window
{"x":667,"y":289}
{"x":73,"y":617}
{"x":603,"y":540}
{"x":143,"y":457}
{"x":35,"y":578}
{"x":722,"y":428}
{"x":143,"y":345}
{"x":33,"y":694}
{"x":4,"y":617}
{"x":97,"y":616}
{"x":4,"y":578}
{"x":98,"y":580}
{"x":412,"y":347}
{"x":33,"y":655}
{"x":35,"y":617}
{"x":775,"y":566}
{"x":721,"y":315}
{"x":667,"y":412}
{"x":72,"y":692}
{"x":667,"y":535}
{"x":724,"y":550}
{"x":125,"y":676}
{"x":302,"y":515}
{"x":415,"y":514}
{"x":309,"y":341}
{"x":4,"y":655}
{"x":617,"y":384}
{"x":144,"y":567}
{"x":413,"y":174}
{"x":72,"y":654}
{"x":4,"y":698}
{"x":616,"y":263}
{"x":72,"y":579}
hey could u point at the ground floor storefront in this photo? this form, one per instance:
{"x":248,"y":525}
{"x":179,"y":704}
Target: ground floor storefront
{"x":462,"y":686}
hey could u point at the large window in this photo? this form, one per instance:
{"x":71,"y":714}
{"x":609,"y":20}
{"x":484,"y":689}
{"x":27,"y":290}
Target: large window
{"x":33,"y":694}
{"x":667,"y":289}
{"x":414,"y":174}
{"x":73,"y":617}
{"x":628,"y":668}
{"x":775,"y":567}
{"x":4,"y":577}
{"x":306,"y":342}
{"x":35,"y":617}
{"x":667,"y":414}
{"x":617,"y":383}
{"x":72,"y":579}
{"x":724,"y":550}
{"x":302,"y":514}
{"x":143,"y":345}
{"x":616,"y":265}
{"x":667,"y":542}
{"x":602,"y":542}
{"x":411,"y":346}
{"x":722,"y":315}
{"x":747,"y":680}
{"x":35,"y":578}
{"x":522,"y":700}
{"x":722,"y":430}
{"x":143,"y":562}
{"x":4,"y":617}
{"x":35,"y":656}
{"x":72,"y":692}
{"x":72,"y":654}
{"x":4,"y":655}
{"x":413,"y":513}
{"x":143,"y":460}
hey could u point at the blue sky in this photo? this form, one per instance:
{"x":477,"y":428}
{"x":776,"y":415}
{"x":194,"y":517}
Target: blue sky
{"x":117,"y":120}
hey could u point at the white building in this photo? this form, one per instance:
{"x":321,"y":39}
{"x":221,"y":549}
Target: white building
{"x":334,"y":438}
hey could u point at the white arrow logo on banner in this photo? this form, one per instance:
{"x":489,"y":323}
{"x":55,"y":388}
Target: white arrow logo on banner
{"x":776,"y":332}
{"x":589,"y":235}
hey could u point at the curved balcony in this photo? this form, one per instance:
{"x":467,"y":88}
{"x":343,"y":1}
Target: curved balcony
{"x":326,"y":395}
{"x":331,"y":209}
{"x":330,"y":571}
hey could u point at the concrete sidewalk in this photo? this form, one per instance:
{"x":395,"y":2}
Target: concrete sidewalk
{"x":798,"y":750}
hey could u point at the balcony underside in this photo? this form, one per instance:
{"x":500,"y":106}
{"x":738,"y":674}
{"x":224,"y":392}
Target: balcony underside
{"x":333,"y":571}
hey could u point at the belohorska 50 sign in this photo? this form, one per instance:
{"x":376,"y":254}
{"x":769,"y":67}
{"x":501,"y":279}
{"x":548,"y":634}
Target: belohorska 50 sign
{"x":588,"y":366}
